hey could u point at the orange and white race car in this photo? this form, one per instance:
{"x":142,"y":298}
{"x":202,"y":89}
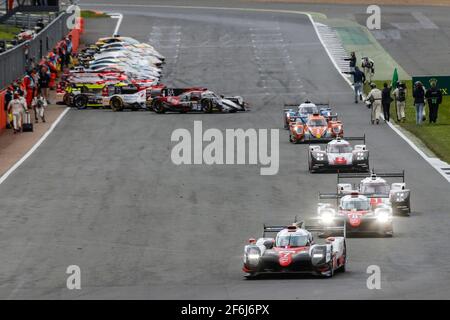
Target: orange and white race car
{"x":315,"y":129}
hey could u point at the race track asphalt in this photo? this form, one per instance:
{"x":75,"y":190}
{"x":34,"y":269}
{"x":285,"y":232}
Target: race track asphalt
{"x":102,"y":193}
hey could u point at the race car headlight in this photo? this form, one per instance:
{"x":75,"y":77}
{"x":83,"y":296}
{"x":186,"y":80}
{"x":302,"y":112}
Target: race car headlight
{"x":327,"y":215}
{"x":253,"y":256}
{"x":401,"y":196}
{"x":299,"y":129}
{"x":383,"y":214}
{"x":318,"y":255}
{"x":320,"y":156}
{"x":336,"y":129}
{"x":360,"y":156}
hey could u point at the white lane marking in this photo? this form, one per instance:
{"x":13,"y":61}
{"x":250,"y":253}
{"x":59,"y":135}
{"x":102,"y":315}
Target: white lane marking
{"x":33,"y":149}
{"x":431,"y":161}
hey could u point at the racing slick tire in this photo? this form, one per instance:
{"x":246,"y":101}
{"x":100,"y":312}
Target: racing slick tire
{"x":342,"y":268}
{"x":116,"y":104}
{"x":158,"y":107}
{"x":80,"y":101}
{"x":66,"y":99}
{"x":207,"y":106}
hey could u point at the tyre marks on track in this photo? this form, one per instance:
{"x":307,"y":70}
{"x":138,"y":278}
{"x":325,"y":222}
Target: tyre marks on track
{"x":275,"y":68}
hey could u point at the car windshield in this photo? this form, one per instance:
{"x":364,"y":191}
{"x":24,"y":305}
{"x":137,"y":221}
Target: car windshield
{"x":355,"y":204}
{"x":378,"y":188}
{"x":308,"y":110}
{"x":317,"y":123}
{"x":339,"y":148}
{"x":292,"y":240}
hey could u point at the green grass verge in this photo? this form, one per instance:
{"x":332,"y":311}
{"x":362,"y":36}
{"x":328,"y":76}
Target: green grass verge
{"x":8,"y":32}
{"x":93,"y":14}
{"x":435,"y":136}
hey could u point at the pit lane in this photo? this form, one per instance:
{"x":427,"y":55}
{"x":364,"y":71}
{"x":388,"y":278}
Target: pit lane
{"x":102,"y":193}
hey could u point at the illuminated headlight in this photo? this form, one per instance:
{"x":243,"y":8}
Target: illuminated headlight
{"x":383,"y":215}
{"x":318,"y":255}
{"x":327,"y":216}
{"x":360,"y":156}
{"x":401,"y":196}
{"x":319,"y":156}
{"x":253,"y":258}
{"x":240,"y":100}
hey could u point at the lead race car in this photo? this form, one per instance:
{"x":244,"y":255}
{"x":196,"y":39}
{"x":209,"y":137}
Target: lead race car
{"x":375,"y":187}
{"x":194,"y":99}
{"x":294,"y":250}
{"x":358,"y":212}
{"x":339,"y":156}
{"x":304,"y":110}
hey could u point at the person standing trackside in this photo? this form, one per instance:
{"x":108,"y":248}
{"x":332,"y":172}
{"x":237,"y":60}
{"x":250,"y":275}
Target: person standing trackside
{"x":374,"y":97}
{"x":419,"y":101}
{"x":386,"y":100}
{"x":352,"y":61}
{"x":400,"y":101}
{"x":17,"y":107}
{"x":368,"y":68}
{"x":358,"y":80}
{"x":434,"y":99}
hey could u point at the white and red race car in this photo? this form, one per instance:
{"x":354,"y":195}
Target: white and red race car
{"x":295,"y":250}
{"x":376,"y":187}
{"x":339,"y":156}
{"x":359,"y":213}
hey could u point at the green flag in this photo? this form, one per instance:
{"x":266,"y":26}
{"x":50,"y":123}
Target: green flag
{"x":394,"y":79}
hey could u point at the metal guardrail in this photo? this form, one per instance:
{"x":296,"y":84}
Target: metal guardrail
{"x":13,"y":62}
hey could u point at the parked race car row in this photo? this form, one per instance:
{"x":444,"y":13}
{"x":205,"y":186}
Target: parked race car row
{"x":122,"y":73}
{"x":366,"y":206}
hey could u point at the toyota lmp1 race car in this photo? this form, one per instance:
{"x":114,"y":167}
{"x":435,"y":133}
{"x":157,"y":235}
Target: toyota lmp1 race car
{"x":304,"y":110}
{"x":378,"y":189}
{"x":184,"y":100}
{"x":294,"y":250}
{"x":339,"y":156}
{"x":359,"y":213}
{"x":315,"y":129}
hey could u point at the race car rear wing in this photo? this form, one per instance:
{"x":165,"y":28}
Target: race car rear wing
{"x":318,"y":105}
{"x":337,"y":196}
{"x":325,"y":141}
{"x":301,"y":224}
{"x":323,"y":228}
{"x":361,"y":175}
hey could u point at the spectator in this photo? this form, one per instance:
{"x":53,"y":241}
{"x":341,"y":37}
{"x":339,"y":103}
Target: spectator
{"x":44,"y":81}
{"x":39,"y":104}
{"x":358,"y":79}
{"x":375,"y":96}
{"x":29,"y":82}
{"x":368,"y":68}
{"x":434,"y":99}
{"x":386,"y":100}
{"x":400,"y":101}
{"x":352,"y":61}
{"x":17,"y":107}
{"x":9,"y":95}
{"x":419,"y":101}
